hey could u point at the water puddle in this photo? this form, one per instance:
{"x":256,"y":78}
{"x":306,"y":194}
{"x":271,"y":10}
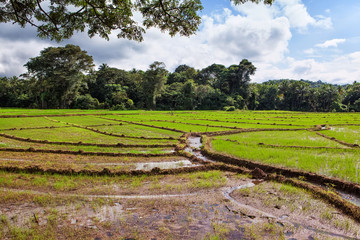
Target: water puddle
{"x":150,"y":165}
{"x":164,"y":165}
{"x":195,"y":144}
{"x":337,"y":129}
{"x":136,"y":166}
{"x":353,"y":199}
{"x":346,"y":196}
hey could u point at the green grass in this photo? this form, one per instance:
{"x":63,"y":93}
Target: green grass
{"x":139,"y":131}
{"x":340,"y":163}
{"x":73,"y":134}
{"x":349,"y":134}
{"x":6,"y":123}
{"x":183,"y":126}
{"x":286,"y":138}
{"x":335,"y":163}
{"x":142,"y":184}
{"x":83,"y":120}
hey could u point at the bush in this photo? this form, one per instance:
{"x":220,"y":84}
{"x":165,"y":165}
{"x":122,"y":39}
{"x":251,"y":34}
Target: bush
{"x":229,"y":108}
{"x":85,"y":102}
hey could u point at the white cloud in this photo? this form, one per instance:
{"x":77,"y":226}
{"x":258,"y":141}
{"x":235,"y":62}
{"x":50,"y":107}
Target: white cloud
{"x":309,"y":51}
{"x":299,"y":17}
{"x":224,"y":38}
{"x":260,"y":33}
{"x":331,"y":43}
{"x":340,"y":70}
{"x":14,"y":54}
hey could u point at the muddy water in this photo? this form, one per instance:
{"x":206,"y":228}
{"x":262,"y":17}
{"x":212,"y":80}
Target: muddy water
{"x":351,"y":198}
{"x":165,"y":165}
{"x":195,"y":144}
{"x":150,"y":165}
{"x":137,"y":166}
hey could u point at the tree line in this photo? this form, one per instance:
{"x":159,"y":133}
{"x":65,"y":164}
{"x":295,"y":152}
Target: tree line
{"x":64,"y":77}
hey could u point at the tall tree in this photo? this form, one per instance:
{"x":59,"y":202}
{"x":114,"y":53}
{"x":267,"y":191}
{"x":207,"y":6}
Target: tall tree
{"x":352,"y":96}
{"x":237,"y":79}
{"x":211,"y":75}
{"x":59,"y":73}
{"x":154,"y":82}
{"x":58,"y":20}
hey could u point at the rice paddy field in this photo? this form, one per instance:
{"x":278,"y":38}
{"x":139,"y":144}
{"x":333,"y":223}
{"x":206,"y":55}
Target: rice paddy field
{"x":96,"y":174}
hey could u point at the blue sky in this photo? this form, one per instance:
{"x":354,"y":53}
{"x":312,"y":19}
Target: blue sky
{"x":295,"y":39}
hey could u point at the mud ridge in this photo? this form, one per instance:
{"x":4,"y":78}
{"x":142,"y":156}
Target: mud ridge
{"x":339,"y":184}
{"x":300,"y":147}
{"x":51,"y":127}
{"x":195,"y":124}
{"x":281,"y":124}
{"x":100,"y":196}
{"x":110,"y":172}
{"x":338,"y":141}
{"x":118,"y":145}
{"x":111,"y":134}
{"x":81,"y":152}
{"x":145,"y":125}
{"x":31,"y":128}
{"x":288,"y":146}
{"x":61,"y":115}
{"x":245,"y":130}
{"x":346,"y":124}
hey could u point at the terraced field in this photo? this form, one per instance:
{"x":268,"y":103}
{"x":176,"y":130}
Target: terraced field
{"x":74,"y":174}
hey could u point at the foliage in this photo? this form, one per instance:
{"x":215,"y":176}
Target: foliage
{"x":154,"y":82}
{"x":85,"y":102}
{"x":63,"y":78}
{"x":58,"y":20}
{"x":59,"y":73}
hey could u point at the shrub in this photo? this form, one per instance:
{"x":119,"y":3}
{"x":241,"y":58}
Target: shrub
{"x":85,"y":102}
{"x":229,"y":108}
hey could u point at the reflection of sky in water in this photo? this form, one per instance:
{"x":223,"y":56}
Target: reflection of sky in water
{"x":335,"y":129}
{"x":164,"y":165}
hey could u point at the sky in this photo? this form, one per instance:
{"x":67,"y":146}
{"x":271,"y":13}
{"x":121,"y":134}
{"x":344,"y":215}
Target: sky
{"x":292,"y":39}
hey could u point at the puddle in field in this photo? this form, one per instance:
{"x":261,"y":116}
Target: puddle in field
{"x":336,"y":129}
{"x":137,"y":166}
{"x":350,"y":198}
{"x":195,"y":144}
{"x":164,"y":165}
{"x":151,"y":165}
